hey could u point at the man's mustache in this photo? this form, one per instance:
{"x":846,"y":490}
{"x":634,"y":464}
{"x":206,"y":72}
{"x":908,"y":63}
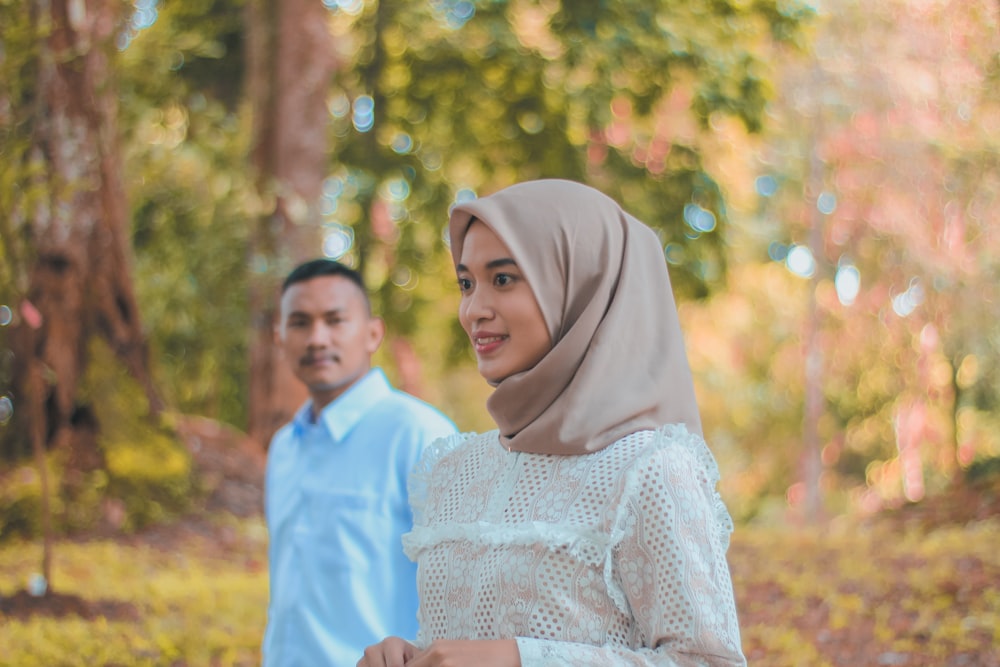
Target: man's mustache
{"x":310,"y":359}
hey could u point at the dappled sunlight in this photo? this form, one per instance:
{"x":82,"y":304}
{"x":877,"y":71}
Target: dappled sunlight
{"x":822,"y":177}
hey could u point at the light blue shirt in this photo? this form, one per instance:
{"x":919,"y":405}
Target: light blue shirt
{"x":336,"y":506}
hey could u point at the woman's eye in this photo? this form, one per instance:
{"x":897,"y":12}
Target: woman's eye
{"x":464,"y":284}
{"x":503,"y":279}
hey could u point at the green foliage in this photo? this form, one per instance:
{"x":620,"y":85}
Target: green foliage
{"x":75,"y":507}
{"x":522,"y":91}
{"x":188,"y":187}
{"x":22,"y":182}
{"x":19,"y":173}
{"x":148,"y":468}
{"x":193,"y":49}
{"x":144,"y":475}
{"x":477,"y":106}
{"x":20,"y":503}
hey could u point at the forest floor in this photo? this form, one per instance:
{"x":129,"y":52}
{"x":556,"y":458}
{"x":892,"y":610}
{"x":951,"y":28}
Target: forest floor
{"x":918,"y":587}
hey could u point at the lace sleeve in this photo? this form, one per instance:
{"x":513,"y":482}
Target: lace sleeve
{"x":419,"y":481}
{"x":670,"y":563}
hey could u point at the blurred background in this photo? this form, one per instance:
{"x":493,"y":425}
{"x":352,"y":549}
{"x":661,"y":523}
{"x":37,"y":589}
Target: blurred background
{"x":823,"y":175}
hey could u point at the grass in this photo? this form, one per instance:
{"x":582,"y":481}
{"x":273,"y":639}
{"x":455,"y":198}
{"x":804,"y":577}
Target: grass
{"x":877,"y":595}
{"x":202,"y":604}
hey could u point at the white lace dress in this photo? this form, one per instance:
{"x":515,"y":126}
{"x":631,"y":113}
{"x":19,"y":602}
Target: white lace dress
{"x":611,"y":558}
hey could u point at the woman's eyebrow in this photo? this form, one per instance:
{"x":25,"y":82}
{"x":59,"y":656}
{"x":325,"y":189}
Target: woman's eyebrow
{"x":504,"y":261}
{"x":492,"y":264}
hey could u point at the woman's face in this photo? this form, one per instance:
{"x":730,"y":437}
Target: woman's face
{"x":498,"y":309}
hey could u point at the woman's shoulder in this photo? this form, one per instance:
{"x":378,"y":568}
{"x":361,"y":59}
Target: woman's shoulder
{"x":451,"y":451}
{"x":668,"y":442}
{"x":452,"y":445}
{"x":642,"y":457}
{"x":673,"y":459}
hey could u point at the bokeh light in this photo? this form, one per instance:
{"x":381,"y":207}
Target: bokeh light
{"x":431,"y":160}
{"x":404,"y":277}
{"x":402,"y":143}
{"x":848,"y":283}
{"x":454,"y":13}
{"x":800,"y":261}
{"x":337,"y":240}
{"x":37,"y":585}
{"x":6,"y":315}
{"x":674,"y":252}
{"x":530,"y":122}
{"x":699,"y":219}
{"x":333,"y":187}
{"x":904,"y":304}
{"x":350,"y":7}
{"x":364,"y":113}
{"x":826,"y":203}
{"x":338,"y":105}
{"x":144,"y":16}
{"x":464,"y":195}
{"x":398,"y":189}
{"x":328,"y":205}
{"x":6,"y":409}
{"x":766,"y":186}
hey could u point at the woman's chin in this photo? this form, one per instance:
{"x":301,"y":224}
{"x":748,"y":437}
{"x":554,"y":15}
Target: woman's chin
{"x":491,"y":376}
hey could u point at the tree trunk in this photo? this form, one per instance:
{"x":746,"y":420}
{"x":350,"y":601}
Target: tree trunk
{"x":76,"y":235}
{"x":290,"y":62}
{"x":812,"y":462}
{"x":79,"y":281}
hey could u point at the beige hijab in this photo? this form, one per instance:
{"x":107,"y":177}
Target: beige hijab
{"x":617,"y":363}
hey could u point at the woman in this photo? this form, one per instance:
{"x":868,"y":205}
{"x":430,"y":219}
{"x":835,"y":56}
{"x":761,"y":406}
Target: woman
{"x":586,"y":529}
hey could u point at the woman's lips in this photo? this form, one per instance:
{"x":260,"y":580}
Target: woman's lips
{"x":487,"y":343}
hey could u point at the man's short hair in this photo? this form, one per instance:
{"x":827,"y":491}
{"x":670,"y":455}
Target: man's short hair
{"x":317,"y":268}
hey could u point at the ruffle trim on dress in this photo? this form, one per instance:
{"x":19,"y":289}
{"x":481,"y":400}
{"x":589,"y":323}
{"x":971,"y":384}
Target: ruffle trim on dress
{"x":586,"y":546}
{"x":696,"y":444}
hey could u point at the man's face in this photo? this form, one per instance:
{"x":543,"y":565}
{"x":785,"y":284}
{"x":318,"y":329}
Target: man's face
{"x":327,"y":335}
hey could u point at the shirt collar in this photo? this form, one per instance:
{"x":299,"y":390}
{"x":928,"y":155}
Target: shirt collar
{"x":343,"y":413}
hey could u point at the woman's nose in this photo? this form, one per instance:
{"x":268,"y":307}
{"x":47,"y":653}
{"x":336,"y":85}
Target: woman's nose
{"x":478,"y":305}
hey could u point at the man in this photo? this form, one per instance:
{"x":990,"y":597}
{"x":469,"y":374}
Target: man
{"x":335,"y":496}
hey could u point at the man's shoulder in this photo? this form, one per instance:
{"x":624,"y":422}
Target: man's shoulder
{"x":284,"y":433}
{"x":401,"y":406}
{"x":400,"y":417}
{"x":407,"y":425}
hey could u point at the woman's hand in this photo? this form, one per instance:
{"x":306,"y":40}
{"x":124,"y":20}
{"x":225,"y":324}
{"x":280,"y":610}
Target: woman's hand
{"x":390,"y":652}
{"x":396,"y":652}
{"x":468,"y":653}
